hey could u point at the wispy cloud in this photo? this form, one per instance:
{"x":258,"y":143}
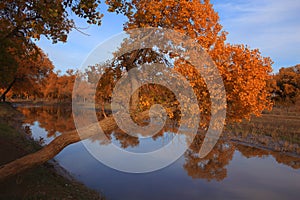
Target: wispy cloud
{"x":271,"y":26}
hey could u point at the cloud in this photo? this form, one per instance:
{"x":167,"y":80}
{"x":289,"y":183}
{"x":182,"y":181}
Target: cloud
{"x":271,"y":26}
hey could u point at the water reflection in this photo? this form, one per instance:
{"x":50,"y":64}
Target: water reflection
{"x":213,"y":166}
{"x":58,"y":119}
{"x":54,"y":120}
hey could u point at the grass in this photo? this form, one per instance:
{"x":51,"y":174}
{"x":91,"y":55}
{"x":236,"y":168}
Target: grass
{"x":277,"y":129}
{"x":41,"y":182}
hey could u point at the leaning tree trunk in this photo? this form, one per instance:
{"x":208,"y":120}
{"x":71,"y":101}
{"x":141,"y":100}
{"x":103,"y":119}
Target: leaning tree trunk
{"x":57,"y":145}
{"x":7,"y":90}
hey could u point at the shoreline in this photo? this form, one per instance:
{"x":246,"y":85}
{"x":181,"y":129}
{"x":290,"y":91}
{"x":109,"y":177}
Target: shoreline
{"x":47,"y":181}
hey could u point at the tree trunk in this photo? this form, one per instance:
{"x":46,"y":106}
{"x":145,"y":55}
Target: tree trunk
{"x":58,"y":144}
{"x":103,"y":110}
{"x":135,"y":96}
{"x":130,"y":64}
{"x":7,"y":90}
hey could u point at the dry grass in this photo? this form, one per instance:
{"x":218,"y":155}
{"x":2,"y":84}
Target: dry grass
{"x":278,"y":130}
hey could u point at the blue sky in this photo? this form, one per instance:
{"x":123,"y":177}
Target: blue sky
{"x":273,"y":26}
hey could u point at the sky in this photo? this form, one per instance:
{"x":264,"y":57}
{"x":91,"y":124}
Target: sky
{"x":272,"y":26}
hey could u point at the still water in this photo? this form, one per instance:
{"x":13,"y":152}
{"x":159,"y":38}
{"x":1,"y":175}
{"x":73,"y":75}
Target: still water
{"x":231,"y":171}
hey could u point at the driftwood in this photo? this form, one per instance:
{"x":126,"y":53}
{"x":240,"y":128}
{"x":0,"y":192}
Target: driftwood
{"x":58,"y":144}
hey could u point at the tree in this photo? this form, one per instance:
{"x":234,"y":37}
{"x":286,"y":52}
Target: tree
{"x":50,"y":90}
{"x":28,"y":79}
{"x":31,"y":19}
{"x":65,"y":85}
{"x":285,"y":86}
{"x":59,"y":87}
{"x":244,"y":71}
{"x":104,"y":86}
{"x":21,"y":21}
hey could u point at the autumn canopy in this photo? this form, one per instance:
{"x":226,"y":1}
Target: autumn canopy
{"x":244,"y":71}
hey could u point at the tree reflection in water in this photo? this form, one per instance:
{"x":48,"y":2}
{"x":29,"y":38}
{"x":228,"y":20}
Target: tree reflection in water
{"x":58,"y":119}
{"x":213,"y":166}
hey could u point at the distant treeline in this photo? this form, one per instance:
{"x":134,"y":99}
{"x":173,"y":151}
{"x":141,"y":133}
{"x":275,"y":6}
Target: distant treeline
{"x":47,"y":85}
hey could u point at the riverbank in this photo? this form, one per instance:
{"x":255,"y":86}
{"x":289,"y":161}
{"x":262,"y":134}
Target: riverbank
{"x":42,"y":182}
{"x":276,"y":130}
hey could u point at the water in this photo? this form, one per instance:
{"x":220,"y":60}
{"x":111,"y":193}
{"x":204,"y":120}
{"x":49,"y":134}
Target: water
{"x":230,"y":171}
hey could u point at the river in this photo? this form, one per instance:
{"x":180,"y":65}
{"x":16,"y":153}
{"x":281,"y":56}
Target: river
{"x":231,"y":171}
